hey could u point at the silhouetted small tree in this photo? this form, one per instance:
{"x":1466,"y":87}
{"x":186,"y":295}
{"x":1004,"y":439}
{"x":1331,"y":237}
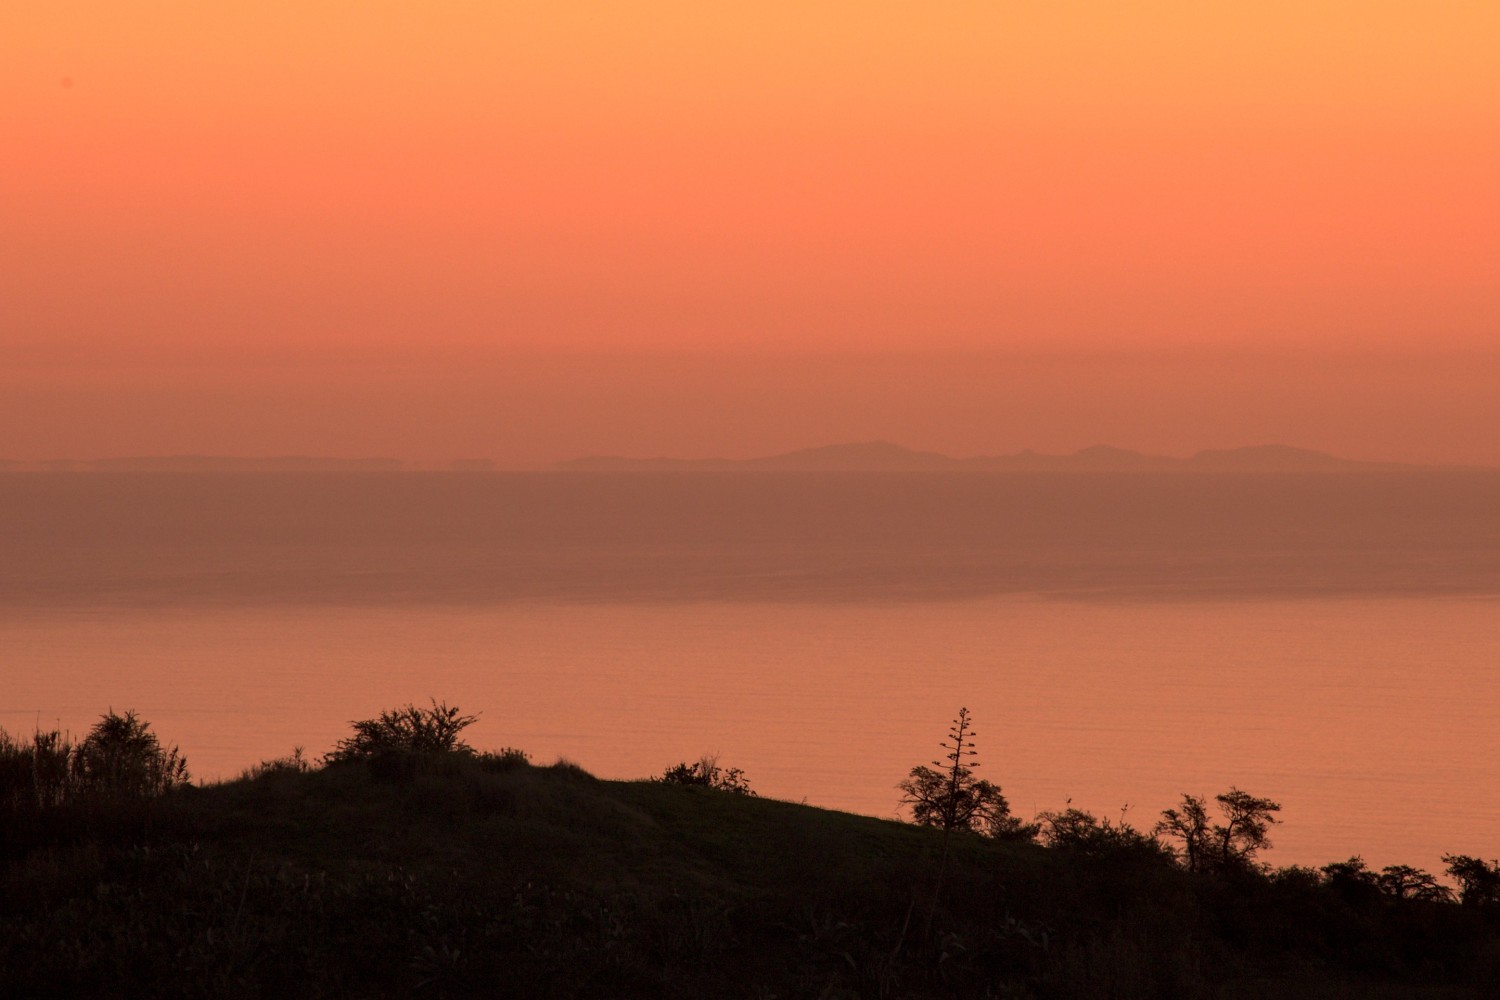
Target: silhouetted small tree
{"x":948,"y":796}
{"x":1189,"y":824}
{"x":1353,"y":870}
{"x":1478,"y":880}
{"x":406,"y":730}
{"x":1232,"y":844}
{"x":1299,"y":878}
{"x":1355,"y":881}
{"x":706,"y":773}
{"x":1406,"y":882}
{"x":121,"y":757}
{"x":1351,"y":879}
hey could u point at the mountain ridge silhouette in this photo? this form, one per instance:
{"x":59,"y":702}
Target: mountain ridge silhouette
{"x":885,"y":456}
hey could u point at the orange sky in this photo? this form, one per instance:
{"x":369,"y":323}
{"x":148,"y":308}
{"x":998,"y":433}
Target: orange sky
{"x":534,"y":230}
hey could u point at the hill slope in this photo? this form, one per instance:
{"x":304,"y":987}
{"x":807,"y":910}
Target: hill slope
{"x":461,"y":878}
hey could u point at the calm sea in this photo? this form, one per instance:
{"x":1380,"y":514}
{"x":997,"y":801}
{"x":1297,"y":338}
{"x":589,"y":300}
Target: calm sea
{"x":1329,"y":640}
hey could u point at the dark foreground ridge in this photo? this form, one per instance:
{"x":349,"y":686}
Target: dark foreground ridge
{"x":416,"y":866}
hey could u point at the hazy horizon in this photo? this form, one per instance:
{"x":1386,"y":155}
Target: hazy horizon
{"x":533,"y":409}
{"x":533,"y":231}
{"x":478,"y":462}
{"x":287,"y":539}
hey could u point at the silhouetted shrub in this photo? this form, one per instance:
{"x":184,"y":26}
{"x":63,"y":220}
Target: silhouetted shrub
{"x":37,"y":774}
{"x":707,"y":773}
{"x":405,"y":730}
{"x":122,"y":758}
{"x":293,"y":763}
{"x":119,"y":760}
{"x":566,"y":768}
{"x":504,"y":759}
{"x":1082,"y":832}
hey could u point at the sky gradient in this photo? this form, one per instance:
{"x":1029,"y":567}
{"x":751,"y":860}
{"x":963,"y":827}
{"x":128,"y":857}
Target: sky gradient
{"x":535,"y":230}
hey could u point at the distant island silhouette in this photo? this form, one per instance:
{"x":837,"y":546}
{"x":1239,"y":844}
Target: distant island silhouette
{"x":883,"y":456}
{"x":863,"y":456}
{"x":211,"y":463}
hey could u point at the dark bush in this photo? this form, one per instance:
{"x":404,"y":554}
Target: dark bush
{"x":405,"y":730}
{"x":707,"y":773}
{"x":35,"y":774}
{"x":1084,"y":833}
{"x":504,"y":759}
{"x":293,"y":763}
{"x":121,"y":757}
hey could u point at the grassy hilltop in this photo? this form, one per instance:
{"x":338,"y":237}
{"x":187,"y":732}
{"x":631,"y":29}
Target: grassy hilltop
{"x":455,"y":874}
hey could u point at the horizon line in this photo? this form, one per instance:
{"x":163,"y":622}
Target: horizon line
{"x":290,"y":461}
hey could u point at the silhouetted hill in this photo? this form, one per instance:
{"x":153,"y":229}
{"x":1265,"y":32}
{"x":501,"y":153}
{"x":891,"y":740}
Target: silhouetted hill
{"x":482,"y":877}
{"x":882,"y":456}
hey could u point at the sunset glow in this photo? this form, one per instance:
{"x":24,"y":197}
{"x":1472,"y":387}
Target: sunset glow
{"x":330,"y":218}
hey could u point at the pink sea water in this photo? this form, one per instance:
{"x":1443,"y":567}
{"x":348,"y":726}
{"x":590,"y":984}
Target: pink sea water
{"x":1331,"y":644}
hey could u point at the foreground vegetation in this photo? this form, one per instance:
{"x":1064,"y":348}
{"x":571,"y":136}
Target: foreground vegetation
{"x":407,"y":863}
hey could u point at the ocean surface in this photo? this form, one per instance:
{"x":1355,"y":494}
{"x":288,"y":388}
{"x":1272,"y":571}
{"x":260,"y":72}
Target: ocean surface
{"x":1331,"y":641}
